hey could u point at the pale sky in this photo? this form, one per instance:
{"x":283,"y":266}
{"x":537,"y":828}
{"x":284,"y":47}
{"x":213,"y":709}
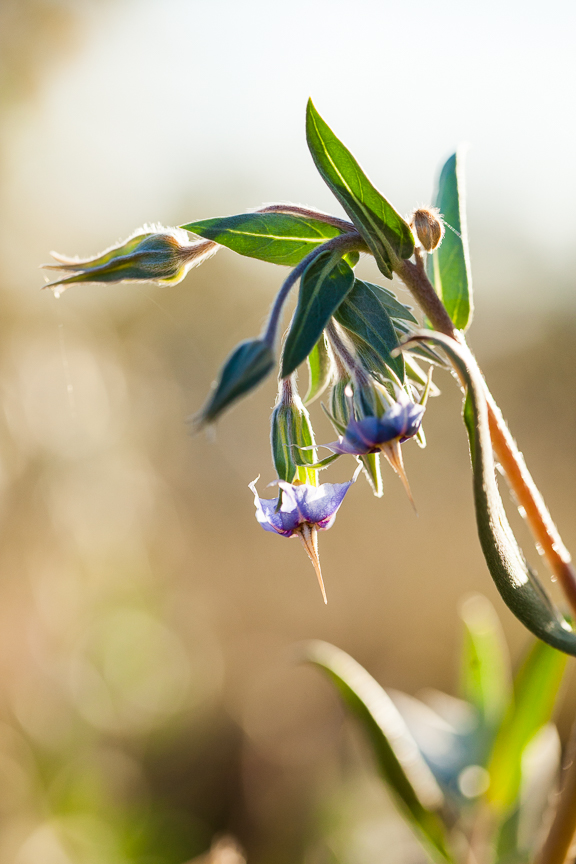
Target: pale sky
{"x":166,"y":103}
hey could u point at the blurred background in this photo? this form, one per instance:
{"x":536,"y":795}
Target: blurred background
{"x":149,"y":698}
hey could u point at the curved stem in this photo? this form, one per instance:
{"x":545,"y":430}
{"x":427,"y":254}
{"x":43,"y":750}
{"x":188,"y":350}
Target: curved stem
{"x":343,"y":243}
{"x":297,"y":210}
{"x":519,"y":478}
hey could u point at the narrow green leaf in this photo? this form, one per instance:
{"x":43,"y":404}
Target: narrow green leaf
{"x":535,"y":690}
{"x":324,"y":285}
{"x":278,"y":238}
{"x":518,"y":585}
{"x":372,"y":472}
{"x":485,"y":667}
{"x":417,"y":373}
{"x":395,"y":308}
{"x":363,"y":313}
{"x":320,"y":370}
{"x":323,"y":463}
{"x":421,"y":350}
{"x":383,"y":229}
{"x":449,"y":266}
{"x":248,"y":365}
{"x":400,"y":762}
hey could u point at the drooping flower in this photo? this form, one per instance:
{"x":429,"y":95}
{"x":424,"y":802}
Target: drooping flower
{"x":302,"y":510}
{"x":384,"y":434}
{"x":152,"y":253}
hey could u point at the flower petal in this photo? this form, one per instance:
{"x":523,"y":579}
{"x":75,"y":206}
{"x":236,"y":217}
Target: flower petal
{"x":319,"y":504}
{"x":283,"y":521}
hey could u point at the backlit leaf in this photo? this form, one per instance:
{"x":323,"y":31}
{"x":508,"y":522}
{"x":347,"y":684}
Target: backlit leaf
{"x":383,"y":229}
{"x":449,"y":266}
{"x":278,"y":238}
{"x":363,"y":313}
{"x":324,"y":285}
{"x":248,"y":365}
{"x":320,"y":370}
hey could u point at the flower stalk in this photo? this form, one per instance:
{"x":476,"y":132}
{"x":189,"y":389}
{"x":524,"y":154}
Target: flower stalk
{"x":351,"y":242}
{"x":541,"y":524}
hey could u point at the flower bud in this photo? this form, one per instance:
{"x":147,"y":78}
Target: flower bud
{"x":291,"y":430}
{"x":164,"y":256}
{"x":429,"y":227}
{"x":248,"y":365}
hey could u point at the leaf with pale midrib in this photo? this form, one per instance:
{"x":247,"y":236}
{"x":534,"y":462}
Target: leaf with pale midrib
{"x":279,"y":238}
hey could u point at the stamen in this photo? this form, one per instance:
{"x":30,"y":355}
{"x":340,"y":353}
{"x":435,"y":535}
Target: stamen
{"x":309,"y":536}
{"x":393,"y":453}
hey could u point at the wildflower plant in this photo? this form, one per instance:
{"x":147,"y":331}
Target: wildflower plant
{"x":370,"y":357}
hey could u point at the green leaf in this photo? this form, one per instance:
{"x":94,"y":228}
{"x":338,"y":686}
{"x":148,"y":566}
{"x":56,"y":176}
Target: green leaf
{"x":278,"y":238}
{"x":395,"y":308}
{"x":535,"y":690}
{"x":372,"y":472}
{"x":420,"y":350}
{"x":248,"y":365}
{"x":485,"y":667}
{"x":324,"y":285}
{"x":320,"y":370}
{"x":400,"y":762}
{"x":518,"y":585}
{"x":363,"y":313}
{"x":383,"y":229}
{"x":449,"y":266}
{"x":416,"y":373}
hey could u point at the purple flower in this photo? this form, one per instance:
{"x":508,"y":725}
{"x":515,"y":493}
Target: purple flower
{"x":369,"y":435}
{"x":383,"y":434}
{"x":304,"y":510}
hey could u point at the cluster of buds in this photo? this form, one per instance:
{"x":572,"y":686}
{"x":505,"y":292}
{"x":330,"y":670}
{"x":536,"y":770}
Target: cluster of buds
{"x":376,"y":399}
{"x":372,"y":416}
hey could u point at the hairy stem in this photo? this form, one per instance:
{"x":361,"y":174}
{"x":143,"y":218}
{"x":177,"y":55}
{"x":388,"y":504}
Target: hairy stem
{"x":344,"y":243}
{"x":310,"y":212}
{"x":519,"y":478}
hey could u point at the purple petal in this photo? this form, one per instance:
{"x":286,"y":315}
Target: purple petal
{"x":318,"y":504}
{"x":347,"y":448}
{"x":283,"y":522}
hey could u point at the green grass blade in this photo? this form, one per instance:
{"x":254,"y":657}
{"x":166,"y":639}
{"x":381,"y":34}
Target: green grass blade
{"x":485,"y":680}
{"x":400,"y":762}
{"x":535,"y":690}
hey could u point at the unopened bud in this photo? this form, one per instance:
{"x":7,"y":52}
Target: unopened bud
{"x":162,"y":255}
{"x":429,"y":227}
{"x":291,"y":430}
{"x":248,"y":365}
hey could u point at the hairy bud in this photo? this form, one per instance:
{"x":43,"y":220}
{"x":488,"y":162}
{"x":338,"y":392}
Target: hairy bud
{"x":429,"y":227}
{"x":291,"y":430}
{"x":162,"y":255}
